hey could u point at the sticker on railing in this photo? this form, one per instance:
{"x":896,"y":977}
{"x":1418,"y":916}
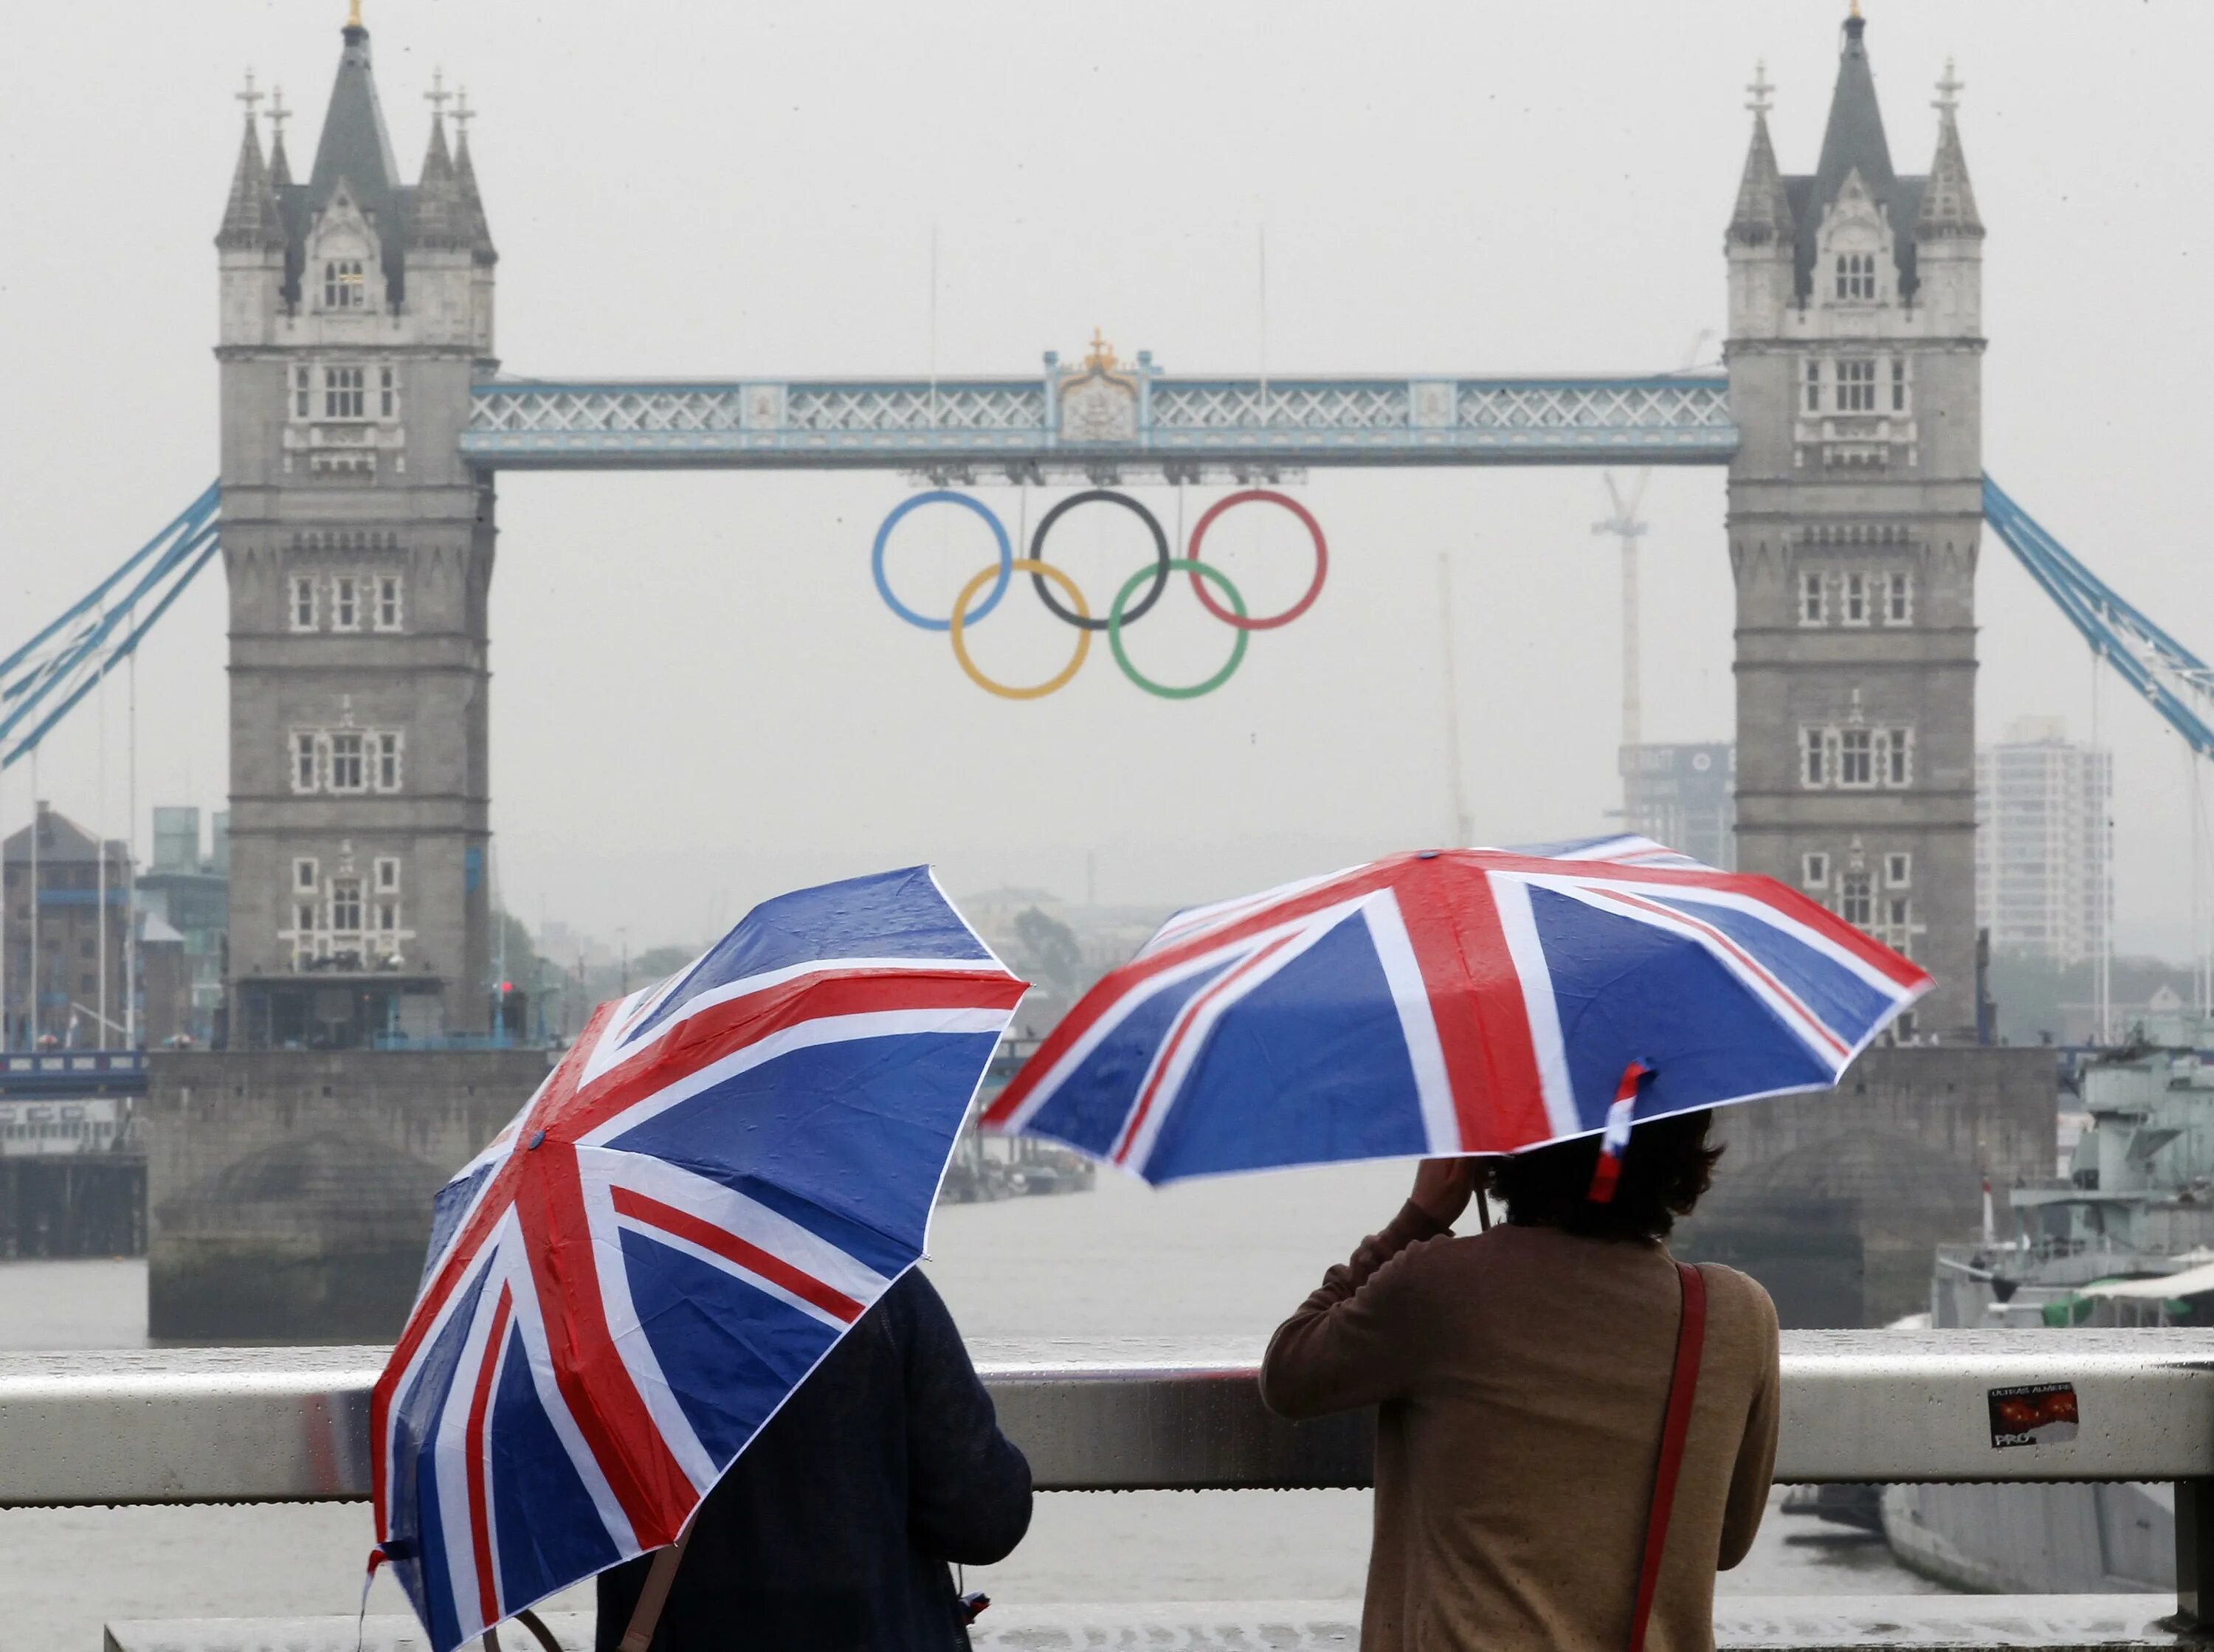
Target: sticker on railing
{"x":2033,"y":1414}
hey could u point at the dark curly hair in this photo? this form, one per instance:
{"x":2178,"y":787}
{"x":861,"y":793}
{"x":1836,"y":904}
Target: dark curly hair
{"x":1665,"y":1169}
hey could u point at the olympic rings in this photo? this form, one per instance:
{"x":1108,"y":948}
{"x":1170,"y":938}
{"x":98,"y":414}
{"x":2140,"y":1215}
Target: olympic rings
{"x":1116,"y":618}
{"x":1314,"y":586}
{"x":1040,"y":571}
{"x":1160,"y":571}
{"x":942,"y":496}
{"x":1121,"y":611}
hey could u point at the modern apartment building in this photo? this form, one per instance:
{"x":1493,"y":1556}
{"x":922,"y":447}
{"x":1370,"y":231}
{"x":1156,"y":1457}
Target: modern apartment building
{"x":2045,"y":843}
{"x":1685,"y":796}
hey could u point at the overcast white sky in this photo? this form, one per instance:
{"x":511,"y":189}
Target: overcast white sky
{"x":698,"y":697}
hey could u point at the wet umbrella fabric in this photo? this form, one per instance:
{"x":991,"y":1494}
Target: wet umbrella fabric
{"x":1456,"y":1001}
{"x":722,"y":1174}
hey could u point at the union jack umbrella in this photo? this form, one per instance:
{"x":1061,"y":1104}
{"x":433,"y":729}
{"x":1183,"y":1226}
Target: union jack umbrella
{"x":722,"y":1174}
{"x":1455,"y":1002}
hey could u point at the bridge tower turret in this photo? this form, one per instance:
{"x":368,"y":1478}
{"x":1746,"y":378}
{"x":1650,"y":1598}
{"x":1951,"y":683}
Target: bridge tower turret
{"x":356,"y":311}
{"x":1855,"y":355}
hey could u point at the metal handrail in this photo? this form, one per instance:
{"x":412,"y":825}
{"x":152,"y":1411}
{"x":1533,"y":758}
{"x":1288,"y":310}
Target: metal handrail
{"x":253,"y":1425}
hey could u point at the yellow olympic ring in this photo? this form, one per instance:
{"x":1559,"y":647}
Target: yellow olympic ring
{"x":1000,"y":571}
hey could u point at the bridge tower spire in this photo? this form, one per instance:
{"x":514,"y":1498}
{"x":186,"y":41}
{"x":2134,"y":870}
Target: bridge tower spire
{"x":465,"y":178}
{"x":253,"y":222}
{"x":357,"y":312}
{"x":1855,"y":360}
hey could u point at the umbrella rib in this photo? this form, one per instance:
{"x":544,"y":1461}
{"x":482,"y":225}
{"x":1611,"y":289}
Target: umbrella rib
{"x":479,"y":1500}
{"x":1714,"y":938}
{"x":1186,"y":1020}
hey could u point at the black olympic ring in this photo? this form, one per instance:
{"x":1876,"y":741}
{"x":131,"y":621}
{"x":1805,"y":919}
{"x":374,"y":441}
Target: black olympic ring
{"x":1161,"y":557}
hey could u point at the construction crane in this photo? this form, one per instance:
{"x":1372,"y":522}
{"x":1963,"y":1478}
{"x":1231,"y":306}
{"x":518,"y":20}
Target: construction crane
{"x":1624,"y":523}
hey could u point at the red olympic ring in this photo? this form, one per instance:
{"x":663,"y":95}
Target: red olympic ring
{"x":1314,"y":532}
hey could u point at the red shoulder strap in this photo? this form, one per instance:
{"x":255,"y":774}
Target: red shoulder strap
{"x":1690,"y":1338}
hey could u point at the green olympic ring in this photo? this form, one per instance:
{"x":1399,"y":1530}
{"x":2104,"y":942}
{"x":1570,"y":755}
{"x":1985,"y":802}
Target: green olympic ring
{"x":1167,"y":691}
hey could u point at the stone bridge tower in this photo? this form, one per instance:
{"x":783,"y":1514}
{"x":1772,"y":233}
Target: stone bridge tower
{"x":1855,"y":357}
{"x":356,"y":309}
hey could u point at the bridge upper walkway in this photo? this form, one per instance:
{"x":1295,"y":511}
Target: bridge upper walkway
{"x":1101,"y":418}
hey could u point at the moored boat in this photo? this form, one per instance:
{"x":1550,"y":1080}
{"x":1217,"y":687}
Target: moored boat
{"x":2122,"y":1237}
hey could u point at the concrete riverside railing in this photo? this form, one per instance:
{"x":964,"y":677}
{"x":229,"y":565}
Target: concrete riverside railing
{"x":202,"y":1425}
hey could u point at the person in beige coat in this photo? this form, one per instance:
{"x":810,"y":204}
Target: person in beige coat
{"x":1522,"y":1375}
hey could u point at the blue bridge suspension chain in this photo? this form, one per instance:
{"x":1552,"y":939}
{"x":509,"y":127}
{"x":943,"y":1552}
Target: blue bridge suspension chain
{"x":2173,"y":679}
{"x":42,"y":681}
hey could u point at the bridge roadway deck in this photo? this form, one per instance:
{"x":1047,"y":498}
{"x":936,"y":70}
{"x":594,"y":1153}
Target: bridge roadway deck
{"x":1099,"y":425}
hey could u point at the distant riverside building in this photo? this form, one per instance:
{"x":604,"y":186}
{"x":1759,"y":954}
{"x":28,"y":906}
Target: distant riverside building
{"x":2045,"y":843}
{"x":1685,"y":796}
{"x":1856,"y":503}
{"x":184,"y":902}
{"x":57,"y":933}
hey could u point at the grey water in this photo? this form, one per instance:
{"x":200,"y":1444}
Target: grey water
{"x":1224,"y":1259}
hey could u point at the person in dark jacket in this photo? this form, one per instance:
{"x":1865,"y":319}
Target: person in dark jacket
{"x":834,"y":1530}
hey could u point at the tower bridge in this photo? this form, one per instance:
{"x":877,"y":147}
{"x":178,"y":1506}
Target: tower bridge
{"x":365,"y":419}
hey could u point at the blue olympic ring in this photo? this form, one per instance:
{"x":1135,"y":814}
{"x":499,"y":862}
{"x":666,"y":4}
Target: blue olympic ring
{"x":948,"y":496}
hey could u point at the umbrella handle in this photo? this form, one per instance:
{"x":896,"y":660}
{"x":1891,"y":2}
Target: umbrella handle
{"x":1482,"y":1208}
{"x":531,"y":1621}
{"x":655,"y":1595}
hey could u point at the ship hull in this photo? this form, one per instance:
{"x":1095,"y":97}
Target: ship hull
{"x":2035,"y":1539}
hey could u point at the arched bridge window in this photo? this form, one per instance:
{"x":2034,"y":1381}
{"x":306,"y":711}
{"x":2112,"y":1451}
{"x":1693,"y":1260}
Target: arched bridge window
{"x":345,"y":284}
{"x":1856,"y":385}
{"x":1857,"y":275}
